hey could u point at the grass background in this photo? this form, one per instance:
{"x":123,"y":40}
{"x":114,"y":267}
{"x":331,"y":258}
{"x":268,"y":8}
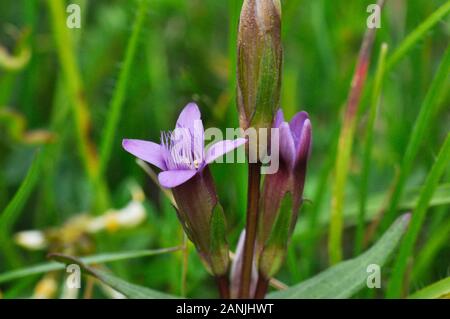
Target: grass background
{"x":131,"y":68}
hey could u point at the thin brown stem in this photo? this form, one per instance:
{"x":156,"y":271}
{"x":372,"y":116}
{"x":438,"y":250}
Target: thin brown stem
{"x":224,"y":286}
{"x":261,"y":287}
{"x":254,"y":178}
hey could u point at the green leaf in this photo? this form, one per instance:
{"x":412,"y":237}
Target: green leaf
{"x":129,"y":290}
{"x":347,"y":278}
{"x":439,"y":289}
{"x":96,"y":259}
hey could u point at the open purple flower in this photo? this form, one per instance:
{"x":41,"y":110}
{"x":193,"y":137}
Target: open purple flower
{"x":183,"y":161}
{"x":181,"y":153}
{"x":283,"y":191}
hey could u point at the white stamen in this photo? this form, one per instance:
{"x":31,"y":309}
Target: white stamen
{"x":181,"y":151}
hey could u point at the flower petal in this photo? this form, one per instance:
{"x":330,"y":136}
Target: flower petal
{"x":221,"y":148}
{"x":146,"y":151}
{"x":303,"y":148}
{"x":287,"y":146}
{"x":171,"y":179}
{"x":296,"y":125}
{"x":279,"y":118}
{"x":199,"y":140}
{"x":188,"y":116}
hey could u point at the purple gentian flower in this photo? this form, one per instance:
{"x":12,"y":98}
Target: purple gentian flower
{"x":181,"y":154}
{"x":285,"y":185}
{"x":183,"y":161}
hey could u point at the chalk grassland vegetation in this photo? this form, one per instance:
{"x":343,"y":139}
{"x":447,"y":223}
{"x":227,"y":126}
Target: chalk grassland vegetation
{"x":68,"y":97}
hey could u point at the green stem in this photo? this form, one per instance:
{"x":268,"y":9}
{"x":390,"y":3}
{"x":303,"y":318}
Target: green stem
{"x":254,"y":178}
{"x":346,"y":144}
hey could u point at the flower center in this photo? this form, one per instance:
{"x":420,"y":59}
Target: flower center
{"x":180,"y":151}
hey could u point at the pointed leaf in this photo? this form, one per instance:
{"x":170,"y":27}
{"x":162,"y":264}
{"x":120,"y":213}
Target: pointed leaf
{"x":347,"y":278}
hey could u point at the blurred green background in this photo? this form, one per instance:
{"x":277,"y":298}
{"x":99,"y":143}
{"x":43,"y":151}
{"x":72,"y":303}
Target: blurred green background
{"x":186,"y":51}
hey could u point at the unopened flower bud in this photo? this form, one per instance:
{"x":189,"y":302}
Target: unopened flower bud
{"x":283,"y":192}
{"x":260,"y":57}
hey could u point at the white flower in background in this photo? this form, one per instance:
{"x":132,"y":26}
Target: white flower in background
{"x":130,"y":216}
{"x":80,"y":225}
{"x":31,"y":239}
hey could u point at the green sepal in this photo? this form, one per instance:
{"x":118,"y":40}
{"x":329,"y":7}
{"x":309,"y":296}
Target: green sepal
{"x":274,"y":250}
{"x":219,"y":252}
{"x":268,"y":87}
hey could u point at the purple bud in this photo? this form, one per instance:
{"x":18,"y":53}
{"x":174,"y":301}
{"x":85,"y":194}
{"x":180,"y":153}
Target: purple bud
{"x":283,"y":191}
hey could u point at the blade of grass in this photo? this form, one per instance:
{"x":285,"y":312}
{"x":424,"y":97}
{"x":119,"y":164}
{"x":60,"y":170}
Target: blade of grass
{"x":435,"y":94}
{"x":441,"y":198}
{"x":415,"y":36}
{"x":96,"y":259}
{"x":440,"y":289}
{"x":117,"y":101}
{"x":394,"y":289}
{"x":151,"y":173}
{"x":439,"y":238}
{"x":367,"y":153}
{"x":80,"y":109}
{"x":345,"y":146}
{"x":410,"y":42}
{"x":12,"y":211}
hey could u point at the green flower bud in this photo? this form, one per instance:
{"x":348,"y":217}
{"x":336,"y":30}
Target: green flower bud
{"x":260,"y":58}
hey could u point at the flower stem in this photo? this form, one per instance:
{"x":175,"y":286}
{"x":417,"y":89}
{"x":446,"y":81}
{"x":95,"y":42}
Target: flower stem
{"x":224,"y":286}
{"x":254,"y":178}
{"x":261,"y":287}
